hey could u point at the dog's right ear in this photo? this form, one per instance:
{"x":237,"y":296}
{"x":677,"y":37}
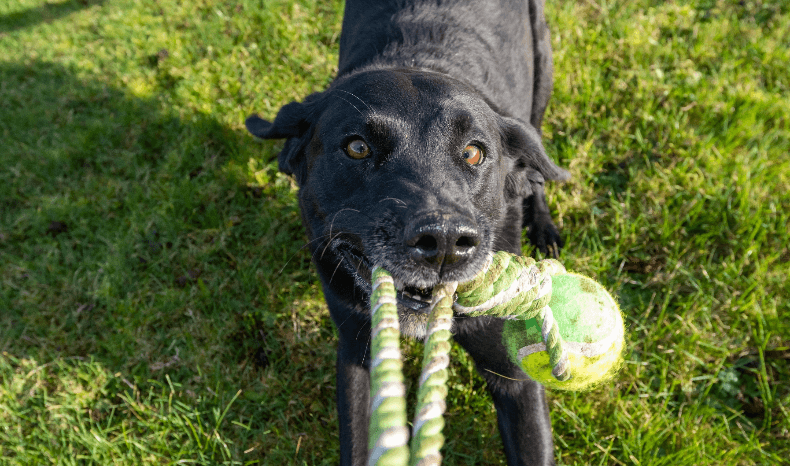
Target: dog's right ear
{"x":293,"y":122}
{"x":290,"y":122}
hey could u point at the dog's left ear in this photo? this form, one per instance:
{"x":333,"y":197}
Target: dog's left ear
{"x":522,"y":143}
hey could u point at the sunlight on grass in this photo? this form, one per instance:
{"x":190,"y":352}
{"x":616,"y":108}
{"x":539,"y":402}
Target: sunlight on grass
{"x":157,"y":302}
{"x":74,"y":409}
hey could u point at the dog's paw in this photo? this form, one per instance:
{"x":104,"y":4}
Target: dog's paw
{"x":543,"y":234}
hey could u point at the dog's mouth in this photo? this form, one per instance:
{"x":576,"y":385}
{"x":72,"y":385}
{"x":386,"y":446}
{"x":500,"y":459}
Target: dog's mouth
{"x":409,"y":296}
{"x":417,"y":299}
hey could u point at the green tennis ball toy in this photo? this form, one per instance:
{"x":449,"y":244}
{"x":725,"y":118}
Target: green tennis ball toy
{"x":592,"y":330}
{"x":564,"y":330}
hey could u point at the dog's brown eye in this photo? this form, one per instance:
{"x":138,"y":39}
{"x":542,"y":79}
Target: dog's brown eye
{"x":357,"y":149}
{"x":473,"y":154}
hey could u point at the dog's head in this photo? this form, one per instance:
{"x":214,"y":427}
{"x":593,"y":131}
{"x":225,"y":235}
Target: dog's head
{"x":409,"y":170}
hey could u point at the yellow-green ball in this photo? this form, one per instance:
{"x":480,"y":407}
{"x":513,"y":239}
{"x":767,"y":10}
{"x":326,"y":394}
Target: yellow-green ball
{"x":591,"y":325}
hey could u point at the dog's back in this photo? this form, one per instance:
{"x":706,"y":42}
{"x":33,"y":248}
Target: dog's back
{"x":499,"y":47}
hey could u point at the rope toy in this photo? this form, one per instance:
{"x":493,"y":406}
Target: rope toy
{"x":563,"y":329}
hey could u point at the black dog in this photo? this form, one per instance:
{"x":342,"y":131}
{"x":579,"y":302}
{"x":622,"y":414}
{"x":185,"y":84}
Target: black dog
{"x":423,"y":156}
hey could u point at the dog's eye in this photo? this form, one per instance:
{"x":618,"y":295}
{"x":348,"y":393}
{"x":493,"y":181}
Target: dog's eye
{"x":357,"y":149}
{"x":473,"y":154}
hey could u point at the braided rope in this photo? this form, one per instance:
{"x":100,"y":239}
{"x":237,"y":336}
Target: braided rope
{"x":429,"y":421}
{"x":508,"y":286}
{"x":388,"y":434}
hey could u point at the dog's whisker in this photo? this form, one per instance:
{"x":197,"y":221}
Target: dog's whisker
{"x":328,"y":243}
{"x":332,"y":225}
{"x":344,"y":320}
{"x":356,"y":97}
{"x":356,"y":268}
{"x":337,"y":267}
{"x":334,"y":217}
{"x":307,"y":244}
{"x":349,"y":103}
{"x":315,"y":240}
{"x":506,"y":377}
{"x":399,"y":201}
{"x":367,"y":345}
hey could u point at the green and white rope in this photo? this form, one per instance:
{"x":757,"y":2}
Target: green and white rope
{"x":388,"y":438}
{"x":508,"y":286}
{"x":427,"y":438}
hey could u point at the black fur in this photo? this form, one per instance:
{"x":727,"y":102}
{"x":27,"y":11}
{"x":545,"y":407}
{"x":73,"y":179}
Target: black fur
{"x":418,"y":81}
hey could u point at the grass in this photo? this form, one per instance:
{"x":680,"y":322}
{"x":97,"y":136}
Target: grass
{"x":157,"y":305}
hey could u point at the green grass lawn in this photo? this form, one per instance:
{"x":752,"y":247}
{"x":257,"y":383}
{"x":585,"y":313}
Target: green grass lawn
{"x":158,"y":306}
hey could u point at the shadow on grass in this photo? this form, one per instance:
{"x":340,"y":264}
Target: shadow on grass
{"x":162,"y":253}
{"x":123,"y":227}
{"x":45,"y":13}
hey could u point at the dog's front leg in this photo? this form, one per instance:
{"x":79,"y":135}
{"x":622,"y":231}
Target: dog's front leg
{"x":542,"y":233}
{"x":353,"y":387}
{"x":522,"y":412}
{"x":523,"y":418}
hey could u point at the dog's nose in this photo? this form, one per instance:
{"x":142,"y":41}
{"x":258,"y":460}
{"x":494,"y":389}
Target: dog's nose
{"x":442,"y":240}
